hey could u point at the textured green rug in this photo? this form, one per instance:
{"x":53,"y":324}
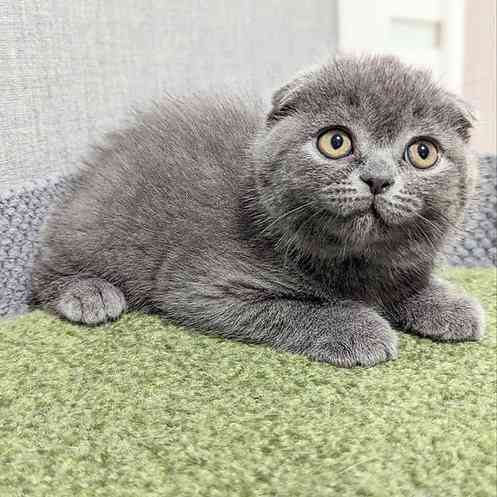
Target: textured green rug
{"x":138,"y":408}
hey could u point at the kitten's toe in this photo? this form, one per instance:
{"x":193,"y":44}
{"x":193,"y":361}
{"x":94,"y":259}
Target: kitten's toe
{"x":91,"y":301}
{"x":366,"y":343}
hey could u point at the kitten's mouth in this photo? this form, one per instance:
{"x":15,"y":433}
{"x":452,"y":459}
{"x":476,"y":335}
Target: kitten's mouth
{"x":366,"y":216}
{"x":375,"y":212}
{"x":371,"y":218}
{"x":371,"y":211}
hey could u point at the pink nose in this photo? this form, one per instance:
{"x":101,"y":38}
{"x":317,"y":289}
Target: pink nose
{"x":377,"y":184}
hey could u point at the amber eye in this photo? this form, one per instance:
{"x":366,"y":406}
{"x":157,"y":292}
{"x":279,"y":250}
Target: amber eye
{"x":335,"y":144}
{"x":423,"y":154}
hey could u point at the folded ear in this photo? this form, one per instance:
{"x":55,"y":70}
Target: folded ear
{"x":281,"y":105}
{"x":466,"y":118}
{"x":285,"y":99}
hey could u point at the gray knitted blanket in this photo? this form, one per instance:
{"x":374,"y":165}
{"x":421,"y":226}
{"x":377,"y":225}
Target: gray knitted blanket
{"x":22,"y":213}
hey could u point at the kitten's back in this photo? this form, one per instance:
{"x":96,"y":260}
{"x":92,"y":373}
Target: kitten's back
{"x":159,"y":184}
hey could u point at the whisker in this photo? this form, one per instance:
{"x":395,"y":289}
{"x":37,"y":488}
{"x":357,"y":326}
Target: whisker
{"x":436,"y":228}
{"x":456,"y":227}
{"x":289,"y":213}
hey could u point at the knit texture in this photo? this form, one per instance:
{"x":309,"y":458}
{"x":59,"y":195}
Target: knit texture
{"x":477,"y":242}
{"x":141,"y":408}
{"x":21,"y":216}
{"x":23,"y":212}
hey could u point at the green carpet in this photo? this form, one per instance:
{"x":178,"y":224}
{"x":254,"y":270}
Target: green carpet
{"x":138,"y":408}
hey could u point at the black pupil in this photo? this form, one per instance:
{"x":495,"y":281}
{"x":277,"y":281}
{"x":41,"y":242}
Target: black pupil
{"x":423,"y":151}
{"x":336,"y":141}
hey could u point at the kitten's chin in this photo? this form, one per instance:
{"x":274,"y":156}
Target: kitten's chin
{"x":368,"y":227}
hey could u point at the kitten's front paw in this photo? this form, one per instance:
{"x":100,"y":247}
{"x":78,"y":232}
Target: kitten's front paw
{"x":365,"y":340}
{"x":451,"y":318}
{"x":91,"y":301}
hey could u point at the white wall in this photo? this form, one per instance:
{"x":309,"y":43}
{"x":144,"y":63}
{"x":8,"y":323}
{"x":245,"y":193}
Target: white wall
{"x":426,"y":33}
{"x":70,"y":69}
{"x":480,"y":62}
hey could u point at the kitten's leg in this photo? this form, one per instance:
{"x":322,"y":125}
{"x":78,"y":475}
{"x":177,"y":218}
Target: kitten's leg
{"x":345,"y":333}
{"x":440,"y":312}
{"x":89,"y":300}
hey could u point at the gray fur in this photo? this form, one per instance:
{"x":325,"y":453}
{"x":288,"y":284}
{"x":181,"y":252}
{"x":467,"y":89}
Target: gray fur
{"x":229,"y":221}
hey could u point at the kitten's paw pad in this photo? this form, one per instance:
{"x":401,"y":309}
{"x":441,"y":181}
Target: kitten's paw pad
{"x":370,"y":342}
{"x":90,"y":301}
{"x":456,"y":319}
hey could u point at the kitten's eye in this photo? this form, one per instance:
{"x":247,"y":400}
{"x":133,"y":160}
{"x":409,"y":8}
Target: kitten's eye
{"x":335,"y":144}
{"x":423,"y":154}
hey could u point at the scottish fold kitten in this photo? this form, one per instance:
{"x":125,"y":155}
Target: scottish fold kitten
{"x":312,"y":228}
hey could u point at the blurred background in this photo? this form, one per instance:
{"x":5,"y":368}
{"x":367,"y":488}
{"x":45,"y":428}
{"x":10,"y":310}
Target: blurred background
{"x":70,"y":70}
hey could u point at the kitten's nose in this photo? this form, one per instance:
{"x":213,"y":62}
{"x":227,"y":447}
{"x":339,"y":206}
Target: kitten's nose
{"x":377,"y":184}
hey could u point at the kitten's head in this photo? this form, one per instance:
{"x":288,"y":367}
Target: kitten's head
{"x":364,"y":156}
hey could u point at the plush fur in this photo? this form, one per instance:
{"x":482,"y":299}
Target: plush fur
{"x":230,"y":221}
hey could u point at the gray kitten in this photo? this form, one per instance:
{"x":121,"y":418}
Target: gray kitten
{"x":313,"y":229}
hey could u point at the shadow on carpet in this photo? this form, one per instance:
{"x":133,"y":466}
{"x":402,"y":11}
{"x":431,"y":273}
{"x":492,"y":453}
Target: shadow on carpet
{"x":138,"y":408}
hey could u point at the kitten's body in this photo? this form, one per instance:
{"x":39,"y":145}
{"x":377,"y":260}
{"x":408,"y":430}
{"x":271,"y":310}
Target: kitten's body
{"x":186,"y":214}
